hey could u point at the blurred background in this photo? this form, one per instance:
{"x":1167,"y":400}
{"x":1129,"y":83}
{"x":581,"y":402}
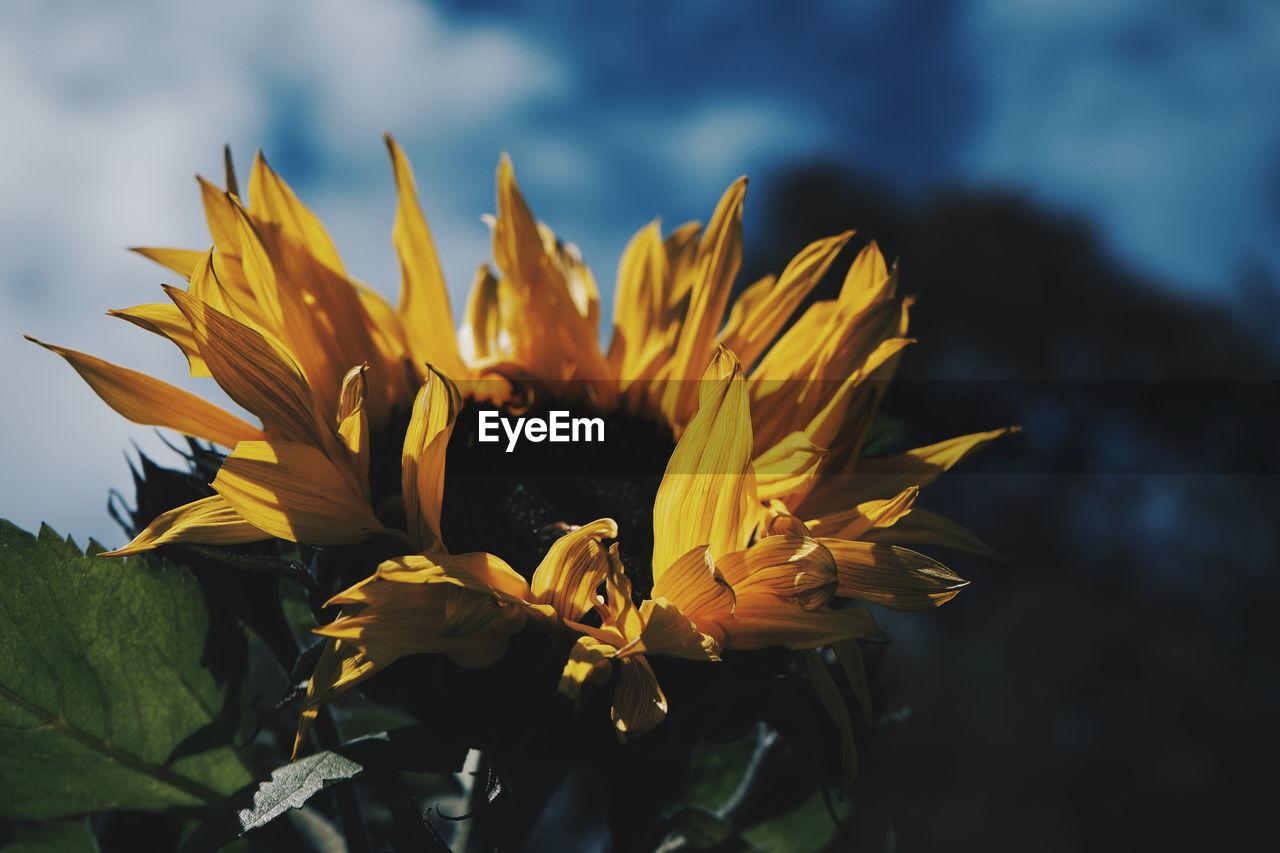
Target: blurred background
{"x":1085,"y":195}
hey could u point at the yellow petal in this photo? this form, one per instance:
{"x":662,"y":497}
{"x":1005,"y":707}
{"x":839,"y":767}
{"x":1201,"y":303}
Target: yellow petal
{"x":857,"y":522}
{"x":923,"y":465}
{"x":181,"y":261}
{"x":681,"y":246}
{"x":834,"y":340}
{"x":719,"y":256}
{"x":481,"y":334}
{"x":638,"y":702}
{"x":353,"y":423}
{"x":798,"y":568}
{"x":395,"y":620}
{"x":233,"y":299}
{"x":295,"y":492}
{"x":387,"y":328}
{"x":323,"y":318}
{"x":694,"y":585}
{"x":895,"y":577}
{"x":255,"y":371}
{"x":208,"y":521}
{"x":768,"y":316}
{"x":145,"y":400}
{"x":552,"y":340}
{"x":221,"y":218}
{"x":574,"y":567}
{"x":835,"y":415}
{"x":668,"y":631}
{"x":794,"y":350}
{"x":703,"y":495}
{"x":838,"y":411}
{"x":167,"y":321}
{"x":424,"y":297}
{"x":762,"y":619}
{"x":577,"y":276}
{"x":619,"y":611}
{"x":849,"y":655}
{"x":589,"y":661}
{"x":741,"y":310}
{"x":340,"y":667}
{"x":259,"y":269}
{"x":925,"y":528}
{"x":868,"y":280}
{"x":422,"y":461}
{"x":779,"y":522}
{"x":880,"y":478}
{"x":829,"y":695}
{"x":275,"y":203}
{"x":637,"y":305}
{"x":476,"y":570}
{"x":788,"y":468}
{"x":395,"y":371}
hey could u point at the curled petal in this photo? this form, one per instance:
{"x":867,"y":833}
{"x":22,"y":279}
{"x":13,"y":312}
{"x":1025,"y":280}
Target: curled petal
{"x":589,"y":661}
{"x":694,"y":585}
{"x":574,"y":567}
{"x":393,"y":620}
{"x":780,"y":522}
{"x":895,"y":577}
{"x":422,"y":461}
{"x":638,"y":701}
{"x":668,"y":631}
{"x":353,"y":422}
{"x":797,"y":568}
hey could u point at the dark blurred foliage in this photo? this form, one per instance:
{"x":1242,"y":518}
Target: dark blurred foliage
{"x":1112,"y":685}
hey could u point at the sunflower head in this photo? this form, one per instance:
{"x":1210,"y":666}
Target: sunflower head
{"x":726,"y":513}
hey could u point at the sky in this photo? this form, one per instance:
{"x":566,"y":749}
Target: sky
{"x":1155,"y":121}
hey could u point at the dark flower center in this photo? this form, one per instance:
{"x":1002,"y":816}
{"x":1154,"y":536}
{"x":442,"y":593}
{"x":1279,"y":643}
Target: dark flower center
{"x":516,"y":504}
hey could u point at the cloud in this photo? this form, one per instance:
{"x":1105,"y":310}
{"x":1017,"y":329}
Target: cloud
{"x":1153,"y":119}
{"x":1157,"y":119}
{"x":110,"y":108}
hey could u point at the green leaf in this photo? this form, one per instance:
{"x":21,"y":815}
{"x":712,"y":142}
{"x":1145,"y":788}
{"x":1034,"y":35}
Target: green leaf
{"x":289,"y":787}
{"x":70,"y":837}
{"x":808,"y":827}
{"x":105,"y":700}
{"x":407,"y":749}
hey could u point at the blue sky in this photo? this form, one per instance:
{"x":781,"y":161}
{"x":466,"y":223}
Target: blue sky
{"x":1155,"y":120}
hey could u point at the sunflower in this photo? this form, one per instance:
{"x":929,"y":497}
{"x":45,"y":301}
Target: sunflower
{"x":767,"y":526}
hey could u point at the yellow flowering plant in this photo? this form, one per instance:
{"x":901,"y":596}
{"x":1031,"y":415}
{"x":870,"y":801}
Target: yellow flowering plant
{"x":550,"y":604}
